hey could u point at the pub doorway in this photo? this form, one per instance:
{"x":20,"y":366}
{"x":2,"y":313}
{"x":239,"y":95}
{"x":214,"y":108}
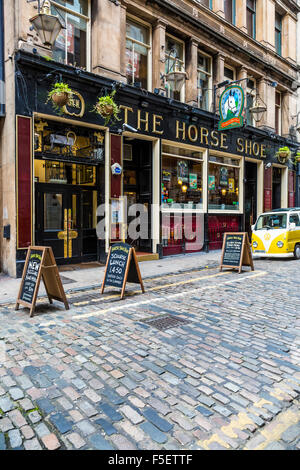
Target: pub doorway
{"x":250,"y":195}
{"x":65,"y":220}
{"x":68,"y":175}
{"x":137,"y":190}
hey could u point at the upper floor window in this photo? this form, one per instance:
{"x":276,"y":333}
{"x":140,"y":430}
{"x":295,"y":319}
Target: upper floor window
{"x":229,"y":73}
{"x":229,"y":10}
{"x":278,"y":33}
{"x":138,"y":50}
{"x":207,"y":3}
{"x":174,"y":63}
{"x":251,"y":18}
{"x":278,"y":113}
{"x":204,"y":81}
{"x":72,"y":45}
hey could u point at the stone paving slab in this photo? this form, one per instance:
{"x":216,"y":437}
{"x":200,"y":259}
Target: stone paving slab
{"x":98,"y":377}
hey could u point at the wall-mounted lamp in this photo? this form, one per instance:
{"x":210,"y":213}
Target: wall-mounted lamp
{"x":174,"y":76}
{"x":258,"y":107}
{"x":46,"y":25}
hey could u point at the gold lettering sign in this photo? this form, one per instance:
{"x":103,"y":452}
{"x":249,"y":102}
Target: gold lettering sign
{"x":75,"y":106}
{"x":210,"y":138}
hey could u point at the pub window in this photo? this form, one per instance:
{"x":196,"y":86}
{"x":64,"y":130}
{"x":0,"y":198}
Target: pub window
{"x":138,"y":51}
{"x":223,"y":183}
{"x":204,"y":81}
{"x":251,"y":18}
{"x":278,"y":33}
{"x":174,"y":62}
{"x":229,"y":10}
{"x":278,"y":112}
{"x":72,"y":44}
{"x":182,"y":178}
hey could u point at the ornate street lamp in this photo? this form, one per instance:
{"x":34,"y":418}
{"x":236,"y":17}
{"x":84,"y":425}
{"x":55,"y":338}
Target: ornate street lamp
{"x":46,"y":25}
{"x":258,"y":108}
{"x":174,"y":76}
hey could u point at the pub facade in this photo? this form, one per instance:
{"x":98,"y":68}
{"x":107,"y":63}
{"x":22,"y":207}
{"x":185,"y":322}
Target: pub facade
{"x":68,"y":173}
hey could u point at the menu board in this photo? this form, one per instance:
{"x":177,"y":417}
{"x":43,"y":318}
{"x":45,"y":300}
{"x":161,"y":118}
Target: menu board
{"x":117,"y":262}
{"x":233,"y":250}
{"x":31,"y":275}
{"x":121,"y":267}
{"x":236,"y":251}
{"x":40,"y":264}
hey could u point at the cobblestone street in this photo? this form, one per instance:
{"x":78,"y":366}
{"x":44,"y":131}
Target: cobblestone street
{"x":203,"y":360}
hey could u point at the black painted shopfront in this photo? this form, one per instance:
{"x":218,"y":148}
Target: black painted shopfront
{"x":210,"y":172}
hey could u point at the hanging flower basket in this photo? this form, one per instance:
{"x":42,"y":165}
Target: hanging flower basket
{"x":60,"y":99}
{"x":60,"y":95}
{"x":107,"y":108}
{"x":297,"y":157}
{"x":283,"y":154}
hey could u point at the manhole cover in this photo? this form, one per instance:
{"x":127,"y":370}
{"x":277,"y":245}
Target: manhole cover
{"x":165,"y":322}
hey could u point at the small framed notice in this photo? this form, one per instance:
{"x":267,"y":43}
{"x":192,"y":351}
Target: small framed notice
{"x":236,"y":251}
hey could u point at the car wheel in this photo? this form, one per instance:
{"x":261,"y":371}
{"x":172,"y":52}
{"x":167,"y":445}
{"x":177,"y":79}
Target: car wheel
{"x":297,"y":252}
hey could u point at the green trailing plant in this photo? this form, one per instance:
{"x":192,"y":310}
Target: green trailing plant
{"x":297,"y":157}
{"x":60,"y":94}
{"x":107,"y":108}
{"x":283,"y":154}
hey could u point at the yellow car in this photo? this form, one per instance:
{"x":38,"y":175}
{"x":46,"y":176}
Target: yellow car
{"x":277,"y":234}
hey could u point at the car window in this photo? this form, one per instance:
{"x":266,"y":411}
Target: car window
{"x":271,"y":221}
{"x":294,"y":219}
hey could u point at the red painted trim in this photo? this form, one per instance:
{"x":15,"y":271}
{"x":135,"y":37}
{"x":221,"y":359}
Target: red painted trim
{"x":268,"y":190}
{"x":116,"y":157}
{"x":291,"y":189}
{"x":24,"y":181}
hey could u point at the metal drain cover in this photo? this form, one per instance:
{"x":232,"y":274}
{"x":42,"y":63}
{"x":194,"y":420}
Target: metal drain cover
{"x":164,"y":322}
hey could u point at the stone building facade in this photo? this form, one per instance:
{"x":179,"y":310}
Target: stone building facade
{"x":56,"y":168}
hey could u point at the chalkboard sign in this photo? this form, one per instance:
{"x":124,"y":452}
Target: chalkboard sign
{"x":31,"y":275}
{"x":121,"y":267}
{"x":236,"y":251}
{"x":40,"y":264}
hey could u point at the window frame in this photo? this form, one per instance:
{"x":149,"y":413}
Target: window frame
{"x":203,"y":160}
{"x":278,"y":33}
{"x":210,"y":74}
{"x":240,"y":159}
{"x":278,"y":109}
{"x":143,"y":23}
{"x":253,"y":14}
{"x":230,"y":67}
{"x":233,"y":8}
{"x":88,"y":29}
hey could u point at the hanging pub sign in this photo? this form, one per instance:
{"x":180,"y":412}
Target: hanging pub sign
{"x":236,"y":251}
{"x":231,"y":107}
{"x":121,"y":267}
{"x":40,"y":263}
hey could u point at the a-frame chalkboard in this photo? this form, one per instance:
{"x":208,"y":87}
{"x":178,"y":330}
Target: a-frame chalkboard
{"x":121,"y":267}
{"x":40,"y":263}
{"x":236,"y":251}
